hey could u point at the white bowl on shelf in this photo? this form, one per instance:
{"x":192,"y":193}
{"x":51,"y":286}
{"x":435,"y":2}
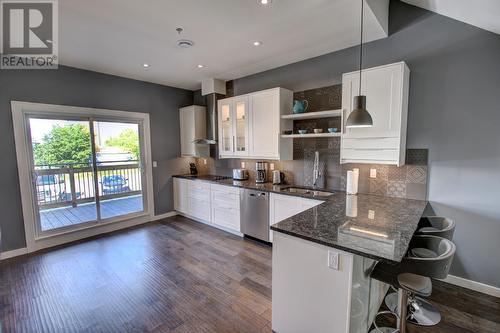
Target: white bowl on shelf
{"x":318,"y":130}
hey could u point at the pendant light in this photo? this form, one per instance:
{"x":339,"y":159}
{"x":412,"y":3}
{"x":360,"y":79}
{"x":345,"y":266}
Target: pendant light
{"x":359,"y":116}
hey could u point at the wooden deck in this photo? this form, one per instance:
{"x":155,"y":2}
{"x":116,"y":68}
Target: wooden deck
{"x":66,"y":216}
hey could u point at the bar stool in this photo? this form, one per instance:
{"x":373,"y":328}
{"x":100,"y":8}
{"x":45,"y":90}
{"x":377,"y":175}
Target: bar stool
{"x":436,"y":226}
{"x":424,"y":313}
{"x":413,"y":277}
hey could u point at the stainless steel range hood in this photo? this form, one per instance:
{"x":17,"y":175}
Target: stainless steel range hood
{"x":213,"y":90}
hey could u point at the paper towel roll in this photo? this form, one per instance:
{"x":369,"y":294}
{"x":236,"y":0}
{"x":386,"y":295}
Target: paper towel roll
{"x":351,"y":206}
{"x":350,"y":183}
{"x":355,"y":173}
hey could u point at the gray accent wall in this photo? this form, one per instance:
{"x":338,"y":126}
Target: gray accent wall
{"x":75,"y":87}
{"x":454,"y":112}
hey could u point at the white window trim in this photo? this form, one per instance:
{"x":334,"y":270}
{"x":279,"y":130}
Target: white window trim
{"x":19,"y":111}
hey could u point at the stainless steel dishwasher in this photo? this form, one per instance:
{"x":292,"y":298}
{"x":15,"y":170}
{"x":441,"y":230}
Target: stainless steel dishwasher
{"x":254,"y":211}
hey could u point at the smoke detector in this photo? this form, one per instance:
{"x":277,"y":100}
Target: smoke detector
{"x":184,"y":43}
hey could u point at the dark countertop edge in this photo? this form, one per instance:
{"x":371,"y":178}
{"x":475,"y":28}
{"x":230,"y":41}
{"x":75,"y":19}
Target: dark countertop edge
{"x":345,"y":249}
{"x":221,"y":182}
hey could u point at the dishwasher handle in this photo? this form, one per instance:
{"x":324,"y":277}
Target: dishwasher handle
{"x":258,"y":194}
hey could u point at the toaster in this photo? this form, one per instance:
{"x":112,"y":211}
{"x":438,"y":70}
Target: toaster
{"x":240,"y":174}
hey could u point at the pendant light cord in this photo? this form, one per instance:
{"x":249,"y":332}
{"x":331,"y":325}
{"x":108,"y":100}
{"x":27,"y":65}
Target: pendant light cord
{"x":361,"y":46}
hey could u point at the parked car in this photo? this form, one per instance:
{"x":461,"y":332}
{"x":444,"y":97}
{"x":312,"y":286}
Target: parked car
{"x":52,"y":189}
{"x":48,"y":187}
{"x":114,"y":184}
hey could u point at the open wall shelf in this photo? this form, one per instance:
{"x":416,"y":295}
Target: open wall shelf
{"x":311,"y":135}
{"x":313,"y":115}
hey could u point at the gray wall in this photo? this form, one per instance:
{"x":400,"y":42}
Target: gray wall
{"x":70,"y":86}
{"x":454,"y":112}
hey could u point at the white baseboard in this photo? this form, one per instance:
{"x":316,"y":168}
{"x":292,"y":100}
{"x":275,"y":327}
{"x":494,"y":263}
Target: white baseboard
{"x":234,"y":232}
{"x":163,"y":216}
{"x":13,"y":253}
{"x":473,"y":285}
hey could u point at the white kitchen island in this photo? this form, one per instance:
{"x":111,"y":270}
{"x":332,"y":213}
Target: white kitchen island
{"x":323,"y":257}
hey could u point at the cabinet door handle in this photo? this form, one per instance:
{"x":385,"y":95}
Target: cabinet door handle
{"x":385,"y":149}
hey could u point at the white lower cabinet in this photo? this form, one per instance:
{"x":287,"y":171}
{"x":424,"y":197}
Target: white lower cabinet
{"x":217,"y":205}
{"x":199,"y":200}
{"x":225,"y":206}
{"x":284,"y":206}
{"x":180,"y":195}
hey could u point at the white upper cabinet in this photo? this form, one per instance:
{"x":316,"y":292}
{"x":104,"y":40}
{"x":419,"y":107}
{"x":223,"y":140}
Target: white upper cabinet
{"x":233,"y":126}
{"x":250,"y":125}
{"x":386,"y":91}
{"x":192,"y":126}
{"x":225,"y":121}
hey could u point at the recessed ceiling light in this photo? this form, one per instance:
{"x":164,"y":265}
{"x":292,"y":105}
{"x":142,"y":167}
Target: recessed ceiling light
{"x":200,"y":66}
{"x":257,"y":43}
{"x":265,"y":2}
{"x":145,"y":65}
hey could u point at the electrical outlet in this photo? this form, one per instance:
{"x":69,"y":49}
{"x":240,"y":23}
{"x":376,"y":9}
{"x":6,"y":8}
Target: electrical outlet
{"x":271,"y":166}
{"x":371,"y":214}
{"x":155,"y":164}
{"x":205,"y":161}
{"x":333,"y":260}
{"x":373,"y":173}
{"x":243,"y":165}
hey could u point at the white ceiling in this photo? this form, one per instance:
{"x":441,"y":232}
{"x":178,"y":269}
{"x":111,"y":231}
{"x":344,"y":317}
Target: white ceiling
{"x":118,"y":36}
{"x":484,"y":14}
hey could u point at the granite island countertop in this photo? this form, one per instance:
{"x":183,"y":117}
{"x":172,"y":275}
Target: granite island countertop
{"x":372,"y":226}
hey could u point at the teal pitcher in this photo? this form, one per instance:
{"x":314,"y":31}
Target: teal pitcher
{"x":300,"y":106}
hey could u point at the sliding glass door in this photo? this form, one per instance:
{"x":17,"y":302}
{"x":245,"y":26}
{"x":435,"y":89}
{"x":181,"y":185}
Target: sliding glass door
{"x":85,"y":171}
{"x":63,"y":177}
{"x":119,"y":168}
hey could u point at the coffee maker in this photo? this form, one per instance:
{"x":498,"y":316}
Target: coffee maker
{"x":261,"y":171}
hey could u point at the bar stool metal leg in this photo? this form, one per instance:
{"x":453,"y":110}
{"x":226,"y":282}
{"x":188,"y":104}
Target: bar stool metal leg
{"x":403,"y":310}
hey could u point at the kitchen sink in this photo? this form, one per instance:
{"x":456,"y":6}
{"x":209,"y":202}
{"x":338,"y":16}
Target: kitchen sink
{"x":306,"y":191}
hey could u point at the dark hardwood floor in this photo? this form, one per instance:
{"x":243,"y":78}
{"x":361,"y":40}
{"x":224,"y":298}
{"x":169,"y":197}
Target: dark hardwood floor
{"x":172,"y":276}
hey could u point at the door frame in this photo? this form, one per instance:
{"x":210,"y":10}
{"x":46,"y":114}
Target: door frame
{"x":20,"y":110}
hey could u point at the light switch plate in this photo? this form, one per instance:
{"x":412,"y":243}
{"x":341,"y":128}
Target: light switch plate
{"x":333,"y":260}
{"x":155,"y":164}
{"x":373,"y":173}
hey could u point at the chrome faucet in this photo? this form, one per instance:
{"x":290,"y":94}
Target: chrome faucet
{"x":316,"y":174}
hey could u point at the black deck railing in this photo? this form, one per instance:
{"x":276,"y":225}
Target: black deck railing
{"x":59,"y":185}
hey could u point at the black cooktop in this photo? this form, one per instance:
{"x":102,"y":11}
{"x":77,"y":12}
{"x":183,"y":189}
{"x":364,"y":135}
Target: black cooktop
{"x":208,"y":177}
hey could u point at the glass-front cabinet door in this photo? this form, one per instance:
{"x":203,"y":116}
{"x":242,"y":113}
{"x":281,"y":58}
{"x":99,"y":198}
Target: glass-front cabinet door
{"x":241,"y":126}
{"x":226,"y":139}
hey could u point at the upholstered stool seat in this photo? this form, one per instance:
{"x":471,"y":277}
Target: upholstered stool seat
{"x":436,"y":226}
{"x":421,"y":252}
{"x":417,"y":284}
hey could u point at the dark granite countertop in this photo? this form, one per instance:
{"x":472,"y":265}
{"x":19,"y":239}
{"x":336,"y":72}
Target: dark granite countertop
{"x":267,"y":187}
{"x":372,"y":226}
